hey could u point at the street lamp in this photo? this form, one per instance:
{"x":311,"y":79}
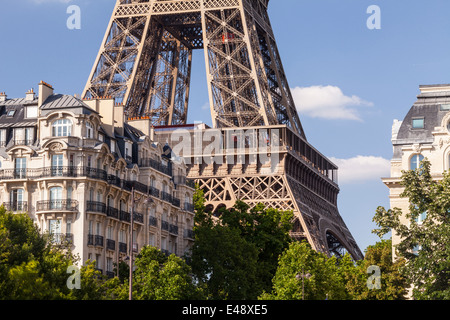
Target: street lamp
{"x":303,"y":276}
{"x":133,"y":200}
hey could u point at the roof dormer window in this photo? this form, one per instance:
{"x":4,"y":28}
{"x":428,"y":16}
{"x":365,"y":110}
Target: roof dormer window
{"x":11,"y":113}
{"x":418,"y":123}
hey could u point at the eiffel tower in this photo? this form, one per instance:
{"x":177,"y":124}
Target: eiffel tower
{"x":145,"y":63}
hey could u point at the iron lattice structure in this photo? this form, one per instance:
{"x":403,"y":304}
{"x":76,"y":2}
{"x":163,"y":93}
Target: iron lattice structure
{"x":146,"y":57}
{"x":145,"y":63}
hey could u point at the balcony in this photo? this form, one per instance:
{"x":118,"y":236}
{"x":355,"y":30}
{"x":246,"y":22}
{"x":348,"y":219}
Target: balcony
{"x":93,"y":206}
{"x":110,"y":244}
{"x":189,"y":234}
{"x":153,"y":221}
{"x":171,"y":199}
{"x":122,"y":247}
{"x":124,"y":216}
{"x":173,"y":229}
{"x":112,"y":212}
{"x":16,"y":206}
{"x":57,"y":205}
{"x":99,"y":241}
{"x":152,"y":163}
{"x":49,"y":172}
{"x":61,"y":238}
{"x":164,"y":225}
{"x":184,"y":181}
{"x":189,"y":207}
{"x":138,"y":217}
{"x":90,"y":240}
{"x":23,"y":142}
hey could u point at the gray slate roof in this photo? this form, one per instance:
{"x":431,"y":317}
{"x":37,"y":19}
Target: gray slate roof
{"x":60,"y":101}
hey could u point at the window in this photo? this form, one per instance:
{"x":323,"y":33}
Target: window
{"x":56,"y":198}
{"x":2,"y":137}
{"x":69,"y":226}
{"x":110,"y":233}
{"x":21,"y":168}
{"x":57,"y":165}
{"x":89,"y":130}
{"x":11,"y":113}
{"x":445,"y":107}
{"x":418,"y":123}
{"x":62,"y":128}
{"x":109,"y":265}
{"x":55,"y":231}
{"x":29,"y":136}
{"x":16,"y":198}
{"x":69,"y":193}
{"x":99,"y":196}
{"x":31,"y":112}
{"x":415,"y":161}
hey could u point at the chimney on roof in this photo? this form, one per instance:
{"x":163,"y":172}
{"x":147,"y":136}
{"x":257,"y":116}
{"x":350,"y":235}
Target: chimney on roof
{"x":45,"y":91}
{"x":2,"y":97}
{"x":29,"y":96}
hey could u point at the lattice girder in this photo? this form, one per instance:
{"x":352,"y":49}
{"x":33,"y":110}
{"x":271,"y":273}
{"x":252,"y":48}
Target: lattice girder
{"x":246,"y":81}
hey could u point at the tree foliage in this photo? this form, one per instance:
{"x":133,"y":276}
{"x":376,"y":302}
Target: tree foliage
{"x":235,"y":254}
{"x":425,"y":243}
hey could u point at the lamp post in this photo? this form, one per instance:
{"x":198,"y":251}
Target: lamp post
{"x":303,"y":276}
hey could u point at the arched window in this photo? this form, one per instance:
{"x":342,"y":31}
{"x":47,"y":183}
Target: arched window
{"x":89,"y":130}
{"x":415,"y":161}
{"x":62,"y":128}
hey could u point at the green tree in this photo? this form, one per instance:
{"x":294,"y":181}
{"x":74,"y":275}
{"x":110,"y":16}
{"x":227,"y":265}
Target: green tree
{"x":392,"y":282}
{"x":303,"y":273}
{"x":31,"y":267}
{"x":235,"y":255}
{"x":424,"y":242}
{"x":158,"y":277}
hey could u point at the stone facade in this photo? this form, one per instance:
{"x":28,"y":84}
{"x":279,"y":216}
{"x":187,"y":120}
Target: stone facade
{"x":72,"y":164}
{"x":424,"y":133}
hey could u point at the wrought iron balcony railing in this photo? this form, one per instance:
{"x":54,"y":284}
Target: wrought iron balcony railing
{"x":16,"y":206}
{"x":122,"y":247}
{"x":169,"y":198}
{"x":110,"y":244}
{"x":61,"y":238}
{"x":152,"y":163}
{"x":173,"y":229}
{"x":99,"y":241}
{"x":189,"y":207}
{"x":28,"y":142}
{"x":153,"y":221}
{"x":112,"y":212}
{"x":189,"y":234}
{"x":57,"y":205}
{"x":164,"y":225}
{"x":49,"y":172}
{"x":94,"y":206}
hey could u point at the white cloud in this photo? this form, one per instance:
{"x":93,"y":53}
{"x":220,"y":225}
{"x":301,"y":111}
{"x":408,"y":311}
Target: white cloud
{"x":362,"y":169}
{"x":328,"y":102}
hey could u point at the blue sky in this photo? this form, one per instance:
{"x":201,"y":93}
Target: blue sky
{"x":349,"y":82}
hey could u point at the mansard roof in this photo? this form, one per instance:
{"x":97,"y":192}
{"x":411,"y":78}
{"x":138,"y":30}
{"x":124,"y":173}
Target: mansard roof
{"x":432,"y":104}
{"x":62,"y":101}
